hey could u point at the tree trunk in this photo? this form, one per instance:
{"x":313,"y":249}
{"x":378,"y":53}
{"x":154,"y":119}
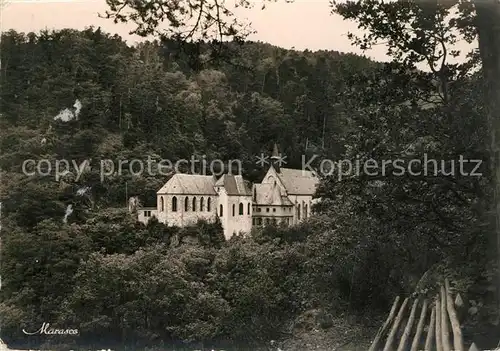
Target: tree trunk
{"x":431,"y":331}
{"x":488,"y":25}
{"x":439,"y":335}
{"x":390,"y":339}
{"x":445,"y":327}
{"x":455,"y":325}
{"x":420,"y":327}
{"x":409,"y":325}
{"x":383,"y":330}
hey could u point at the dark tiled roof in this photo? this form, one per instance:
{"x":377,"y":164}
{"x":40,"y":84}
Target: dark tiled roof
{"x":234,"y":185}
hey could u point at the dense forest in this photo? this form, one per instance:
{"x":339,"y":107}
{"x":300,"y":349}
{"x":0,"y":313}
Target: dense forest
{"x":122,"y":283}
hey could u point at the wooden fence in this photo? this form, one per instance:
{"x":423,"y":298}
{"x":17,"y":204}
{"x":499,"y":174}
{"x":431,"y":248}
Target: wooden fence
{"x":422,"y":325}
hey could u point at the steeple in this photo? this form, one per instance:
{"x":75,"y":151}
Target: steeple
{"x":275,"y":155}
{"x":275,"y":158}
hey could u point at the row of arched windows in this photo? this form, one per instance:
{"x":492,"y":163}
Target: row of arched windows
{"x":193,"y":206}
{"x":241,"y":209}
{"x":188,"y":205}
{"x":305,"y":210}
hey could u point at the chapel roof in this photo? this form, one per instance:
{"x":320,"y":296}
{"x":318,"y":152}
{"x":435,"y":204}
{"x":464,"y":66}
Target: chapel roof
{"x":234,"y":185}
{"x":297,"y":181}
{"x":192,"y":184}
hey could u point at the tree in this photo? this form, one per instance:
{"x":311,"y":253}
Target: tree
{"x":192,"y":23}
{"x":488,"y":26}
{"x":187,"y":19}
{"x":417,"y":32}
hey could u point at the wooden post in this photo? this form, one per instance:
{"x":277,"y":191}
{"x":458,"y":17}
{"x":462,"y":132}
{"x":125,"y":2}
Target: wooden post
{"x":409,"y":325}
{"x":381,"y":332}
{"x":420,"y":327}
{"x":461,"y":308}
{"x":445,"y":329}
{"x":394,"y":329}
{"x":430,"y":331}
{"x":439,"y":342}
{"x":455,"y":325}
{"x":473,"y":347}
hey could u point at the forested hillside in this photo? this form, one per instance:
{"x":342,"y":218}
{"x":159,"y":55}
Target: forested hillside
{"x":121,"y":283}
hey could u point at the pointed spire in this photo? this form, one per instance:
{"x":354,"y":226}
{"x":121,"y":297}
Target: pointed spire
{"x":275,"y":155}
{"x":275,"y":158}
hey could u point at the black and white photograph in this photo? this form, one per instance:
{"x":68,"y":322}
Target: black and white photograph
{"x":250,"y":175}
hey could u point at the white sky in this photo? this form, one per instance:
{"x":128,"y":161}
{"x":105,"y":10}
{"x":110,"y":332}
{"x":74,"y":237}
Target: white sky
{"x":300,"y":25}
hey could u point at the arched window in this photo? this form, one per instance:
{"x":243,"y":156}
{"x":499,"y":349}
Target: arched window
{"x":221,"y":212}
{"x":234,"y":209}
{"x":202,"y":204}
{"x":209,"y":203}
{"x":298,"y":211}
{"x":305,"y":211}
{"x":240,"y":209}
{"x":194,"y":203}
{"x":174,"y":204}
{"x":186,"y":204}
{"x":248,"y":208}
{"x":162,"y":204}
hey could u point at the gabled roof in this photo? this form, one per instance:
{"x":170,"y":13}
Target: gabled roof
{"x":297,"y":181}
{"x":269,"y":194}
{"x":192,"y":184}
{"x":234,"y":185}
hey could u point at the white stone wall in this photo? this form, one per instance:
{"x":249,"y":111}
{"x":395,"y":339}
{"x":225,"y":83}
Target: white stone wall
{"x":234,"y":224}
{"x":231,"y":223}
{"x":272,"y":177}
{"x":272,"y":211}
{"x":240,"y":223}
{"x":141,"y":214}
{"x":280,"y":214}
{"x":222,"y":210}
{"x":181,"y":217}
{"x":304,"y":201}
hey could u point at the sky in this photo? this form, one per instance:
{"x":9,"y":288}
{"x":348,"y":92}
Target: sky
{"x":300,"y":25}
{"x":304,"y":24}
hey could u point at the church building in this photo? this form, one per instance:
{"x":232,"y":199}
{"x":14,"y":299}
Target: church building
{"x":284,"y":196}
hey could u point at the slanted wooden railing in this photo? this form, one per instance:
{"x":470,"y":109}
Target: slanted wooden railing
{"x":436,"y":328}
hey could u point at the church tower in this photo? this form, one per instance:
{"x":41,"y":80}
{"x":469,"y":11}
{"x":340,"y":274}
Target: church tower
{"x":275,"y":158}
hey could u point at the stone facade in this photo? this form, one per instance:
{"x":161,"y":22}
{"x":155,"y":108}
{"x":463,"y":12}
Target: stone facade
{"x":235,"y":211}
{"x":144,"y":214}
{"x":297,"y":186}
{"x":284,"y":196}
{"x":271,"y":206}
{"x":185,"y":199}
